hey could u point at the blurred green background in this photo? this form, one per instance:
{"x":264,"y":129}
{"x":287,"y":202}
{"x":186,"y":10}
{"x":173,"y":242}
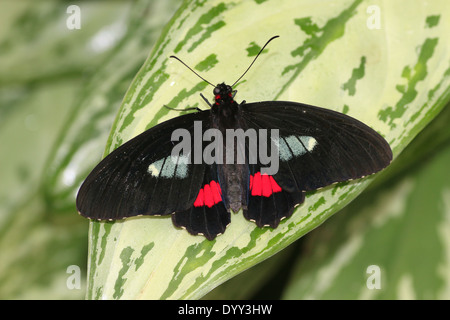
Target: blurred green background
{"x":59,"y":92}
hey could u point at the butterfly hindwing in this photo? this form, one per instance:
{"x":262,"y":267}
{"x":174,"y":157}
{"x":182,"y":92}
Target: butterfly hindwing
{"x":141,"y":178}
{"x":318,"y":146}
{"x":268,"y":203}
{"x":208,"y":215}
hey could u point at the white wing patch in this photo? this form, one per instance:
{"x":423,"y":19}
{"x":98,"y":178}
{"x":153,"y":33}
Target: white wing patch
{"x":295,"y":146}
{"x":155,"y":168}
{"x":170,"y":167}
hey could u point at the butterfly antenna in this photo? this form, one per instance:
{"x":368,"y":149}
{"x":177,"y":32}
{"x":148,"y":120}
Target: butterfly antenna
{"x":193,"y":71}
{"x":260,"y":51}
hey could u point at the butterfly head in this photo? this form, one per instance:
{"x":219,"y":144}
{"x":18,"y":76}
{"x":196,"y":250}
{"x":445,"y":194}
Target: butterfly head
{"x":223,"y":94}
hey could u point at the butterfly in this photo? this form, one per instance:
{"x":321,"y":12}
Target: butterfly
{"x":315,"y":147}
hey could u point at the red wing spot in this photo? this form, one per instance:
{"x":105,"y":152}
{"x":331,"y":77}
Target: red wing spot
{"x":266,"y":186}
{"x":200,"y":201}
{"x":216,"y":192}
{"x":209,"y":198}
{"x":256,"y":186}
{"x":209,"y":195}
{"x":274,"y":184}
{"x":263,"y":185}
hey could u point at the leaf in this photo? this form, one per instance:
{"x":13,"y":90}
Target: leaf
{"x":401,"y":82}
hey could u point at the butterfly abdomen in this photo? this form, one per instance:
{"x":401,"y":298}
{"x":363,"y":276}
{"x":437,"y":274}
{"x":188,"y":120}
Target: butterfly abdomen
{"x":235,"y":185}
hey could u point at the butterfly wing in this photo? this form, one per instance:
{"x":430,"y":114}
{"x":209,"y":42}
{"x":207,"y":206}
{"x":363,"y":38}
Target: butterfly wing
{"x":141,"y":178}
{"x":318,"y":146}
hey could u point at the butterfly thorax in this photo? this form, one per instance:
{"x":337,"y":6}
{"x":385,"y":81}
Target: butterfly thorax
{"x":224,"y":109}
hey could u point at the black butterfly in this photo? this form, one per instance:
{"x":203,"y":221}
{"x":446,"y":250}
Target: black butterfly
{"x":317,"y":147}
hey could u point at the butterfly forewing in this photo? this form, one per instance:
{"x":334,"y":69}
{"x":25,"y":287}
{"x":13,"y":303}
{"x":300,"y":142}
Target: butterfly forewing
{"x":141,"y":178}
{"x":318,"y":146}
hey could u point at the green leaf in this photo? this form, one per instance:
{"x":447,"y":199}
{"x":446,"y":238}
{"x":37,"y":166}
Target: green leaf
{"x":401,"y":82}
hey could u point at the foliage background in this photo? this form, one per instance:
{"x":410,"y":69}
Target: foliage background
{"x":55,"y":82}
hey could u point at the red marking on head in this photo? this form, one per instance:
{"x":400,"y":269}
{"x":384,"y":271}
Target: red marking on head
{"x":217,"y":97}
{"x":209,"y":195}
{"x":263,"y":185}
